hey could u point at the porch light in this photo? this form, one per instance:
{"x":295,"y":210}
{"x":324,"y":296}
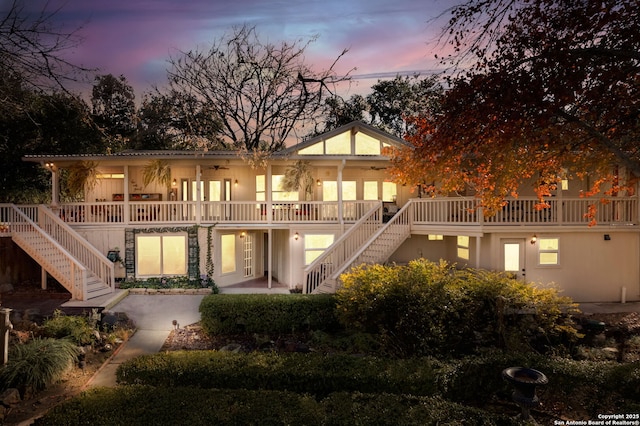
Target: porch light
{"x":534,"y":239}
{"x":50,"y":166}
{"x":318,"y":182}
{"x":235,"y":183}
{"x":242,"y":234}
{"x":296,"y":236}
{"x":174,"y":183}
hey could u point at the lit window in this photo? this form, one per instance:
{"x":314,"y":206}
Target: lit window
{"x":366,"y":145}
{"x":370,"y":190}
{"x":228,"y":250}
{"x":158,"y":255}
{"x":278,"y":194}
{"x":435,"y":237}
{"x":389,"y":191}
{"x":339,"y":144}
{"x":315,"y":149}
{"x":463,"y":247}
{"x":548,"y":251}
{"x":315,"y":245}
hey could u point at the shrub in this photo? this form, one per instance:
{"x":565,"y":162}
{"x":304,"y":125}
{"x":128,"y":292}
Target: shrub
{"x":428,"y":308}
{"x":305,"y":373}
{"x":259,"y":313}
{"x":76,"y":328}
{"x":142,"y":405}
{"x":38,"y":363}
{"x":171,"y":282}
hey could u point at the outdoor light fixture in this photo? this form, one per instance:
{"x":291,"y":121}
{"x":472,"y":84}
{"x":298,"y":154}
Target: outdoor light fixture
{"x":236,"y":182}
{"x":296,"y":236}
{"x":318,"y":182}
{"x":174,"y":183}
{"x":242,"y":234}
{"x":50,"y":166}
{"x":534,"y":239}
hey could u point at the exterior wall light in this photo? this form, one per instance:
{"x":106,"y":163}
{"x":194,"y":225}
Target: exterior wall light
{"x":242,"y":234}
{"x":534,"y":239}
{"x":235,"y":183}
{"x":319,"y":182}
{"x":296,"y":236}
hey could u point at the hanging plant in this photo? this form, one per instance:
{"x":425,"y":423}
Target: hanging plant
{"x":298,"y":176}
{"x":81,"y":176}
{"x":157,"y":171}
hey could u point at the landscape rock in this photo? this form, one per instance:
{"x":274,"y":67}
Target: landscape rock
{"x":10,"y":397}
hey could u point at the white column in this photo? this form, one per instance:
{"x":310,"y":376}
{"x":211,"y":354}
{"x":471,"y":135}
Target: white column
{"x":198,"y":195}
{"x":125,"y":196}
{"x":55,"y":187}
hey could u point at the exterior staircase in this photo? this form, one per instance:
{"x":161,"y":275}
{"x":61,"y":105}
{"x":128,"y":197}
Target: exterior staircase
{"x":368,"y":241}
{"x":63,"y":253}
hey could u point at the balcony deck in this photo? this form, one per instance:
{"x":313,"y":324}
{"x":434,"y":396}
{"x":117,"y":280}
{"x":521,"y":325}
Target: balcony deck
{"x":454,"y":213}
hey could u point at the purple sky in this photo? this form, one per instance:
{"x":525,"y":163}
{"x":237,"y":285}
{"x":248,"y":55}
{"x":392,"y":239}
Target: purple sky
{"x":136,"y":37}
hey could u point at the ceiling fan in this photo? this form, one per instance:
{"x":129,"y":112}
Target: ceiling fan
{"x":218,"y":167}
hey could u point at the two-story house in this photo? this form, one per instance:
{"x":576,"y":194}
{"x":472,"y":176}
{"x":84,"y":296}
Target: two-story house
{"x":219,"y":215}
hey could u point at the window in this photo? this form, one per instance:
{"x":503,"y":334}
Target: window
{"x":548,"y":251}
{"x":370,"y":190}
{"x":228,"y":250}
{"x":315,"y":245}
{"x":389,"y":191}
{"x":277,"y":194}
{"x":158,"y":255}
{"x":431,"y":237}
{"x":366,"y":145}
{"x":463,"y":247}
{"x":248,"y":255}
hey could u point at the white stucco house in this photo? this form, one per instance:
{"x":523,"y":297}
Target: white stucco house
{"x":219,"y":216}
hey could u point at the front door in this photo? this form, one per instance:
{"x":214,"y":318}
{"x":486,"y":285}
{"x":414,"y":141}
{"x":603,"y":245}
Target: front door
{"x":513,"y":257}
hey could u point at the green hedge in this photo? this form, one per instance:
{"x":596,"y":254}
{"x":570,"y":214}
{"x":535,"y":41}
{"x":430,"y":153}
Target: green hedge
{"x":596,"y":387}
{"x":304,"y":373}
{"x":140,"y":405}
{"x":260,"y":313}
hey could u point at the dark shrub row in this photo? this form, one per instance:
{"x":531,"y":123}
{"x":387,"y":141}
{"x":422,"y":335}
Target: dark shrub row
{"x":141,"y":405}
{"x":594,"y":386}
{"x":259,"y":313}
{"x":303,"y":373}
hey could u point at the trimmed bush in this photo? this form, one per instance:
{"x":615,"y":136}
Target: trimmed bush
{"x":140,"y":405}
{"x":304,"y":373}
{"x":428,"y":308}
{"x":37,"y":364}
{"x":260,"y":313}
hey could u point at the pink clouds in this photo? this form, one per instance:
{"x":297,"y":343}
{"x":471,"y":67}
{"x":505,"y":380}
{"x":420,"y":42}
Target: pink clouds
{"x":136,"y":37}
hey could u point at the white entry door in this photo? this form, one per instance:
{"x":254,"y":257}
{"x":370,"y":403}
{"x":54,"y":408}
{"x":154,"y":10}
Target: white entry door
{"x":513,"y":257}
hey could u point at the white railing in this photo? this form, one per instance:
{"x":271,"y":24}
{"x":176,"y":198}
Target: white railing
{"x":90,"y":257}
{"x":48,"y":253}
{"x":528,"y":211}
{"x":213,"y":211}
{"x":383,"y":243}
{"x":323,"y":267}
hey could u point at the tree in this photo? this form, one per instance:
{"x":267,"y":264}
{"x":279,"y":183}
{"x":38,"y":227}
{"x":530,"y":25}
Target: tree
{"x":176,"y":121}
{"x":114,"y":109}
{"x":259,"y":91}
{"x":58,"y":123}
{"x":32,"y":54}
{"x":552,"y":92}
{"x":389,"y":105}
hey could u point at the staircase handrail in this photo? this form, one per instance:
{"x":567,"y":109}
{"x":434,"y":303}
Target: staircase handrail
{"x":74,"y":277}
{"x":323,"y":266}
{"x":403,"y":216}
{"x":77,"y":246}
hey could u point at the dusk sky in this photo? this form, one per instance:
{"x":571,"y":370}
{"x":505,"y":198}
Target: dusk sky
{"x":136,"y":37}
